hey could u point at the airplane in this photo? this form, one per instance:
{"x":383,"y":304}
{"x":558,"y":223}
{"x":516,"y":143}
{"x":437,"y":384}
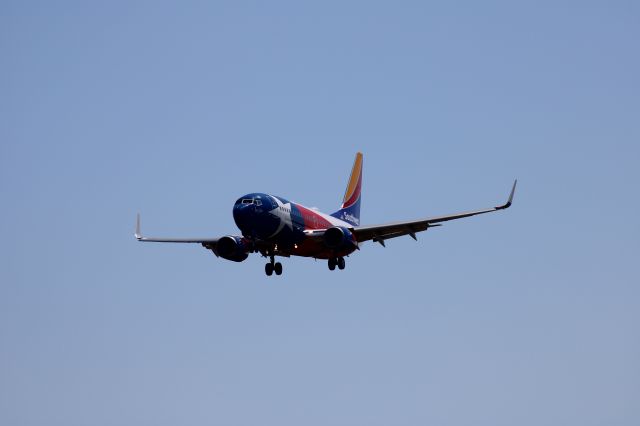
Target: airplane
{"x":274,"y":226}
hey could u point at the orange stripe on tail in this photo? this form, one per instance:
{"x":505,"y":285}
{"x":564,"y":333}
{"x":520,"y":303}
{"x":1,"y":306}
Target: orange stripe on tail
{"x":355,"y":182}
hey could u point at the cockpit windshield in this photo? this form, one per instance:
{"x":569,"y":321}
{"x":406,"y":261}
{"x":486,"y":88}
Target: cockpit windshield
{"x":255,"y":201}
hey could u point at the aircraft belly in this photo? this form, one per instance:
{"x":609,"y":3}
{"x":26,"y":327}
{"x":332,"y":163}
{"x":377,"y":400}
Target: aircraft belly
{"x":288,"y":237}
{"x":316,"y":248}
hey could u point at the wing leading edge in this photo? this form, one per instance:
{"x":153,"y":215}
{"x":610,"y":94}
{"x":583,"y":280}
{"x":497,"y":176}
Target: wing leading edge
{"x":380,"y":233}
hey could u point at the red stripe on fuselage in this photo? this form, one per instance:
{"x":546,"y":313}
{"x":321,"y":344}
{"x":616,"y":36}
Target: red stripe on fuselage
{"x":315,"y":247}
{"x":313,"y":220}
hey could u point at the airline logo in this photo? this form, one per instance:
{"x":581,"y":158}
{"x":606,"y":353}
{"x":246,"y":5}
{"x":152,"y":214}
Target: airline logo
{"x":350,"y":218}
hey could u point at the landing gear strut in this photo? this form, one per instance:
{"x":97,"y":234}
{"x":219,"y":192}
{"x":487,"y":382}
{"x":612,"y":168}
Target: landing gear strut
{"x":339,"y":262}
{"x":272,"y":267}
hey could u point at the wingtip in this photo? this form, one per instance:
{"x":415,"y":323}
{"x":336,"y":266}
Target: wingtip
{"x":510,"y":200}
{"x":138,"y":234}
{"x":513,"y":190}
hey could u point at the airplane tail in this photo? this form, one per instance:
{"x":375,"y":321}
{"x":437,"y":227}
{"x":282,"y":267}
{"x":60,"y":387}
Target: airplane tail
{"x":350,"y":209}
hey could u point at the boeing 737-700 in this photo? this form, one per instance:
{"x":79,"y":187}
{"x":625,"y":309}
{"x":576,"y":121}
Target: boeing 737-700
{"x":273,"y":226}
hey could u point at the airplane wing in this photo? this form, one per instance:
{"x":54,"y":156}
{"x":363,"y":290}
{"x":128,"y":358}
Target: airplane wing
{"x":380,"y":233}
{"x":204,"y":241}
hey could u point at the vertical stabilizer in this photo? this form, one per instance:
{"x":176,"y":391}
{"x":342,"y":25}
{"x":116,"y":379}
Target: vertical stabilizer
{"x":350,"y":209}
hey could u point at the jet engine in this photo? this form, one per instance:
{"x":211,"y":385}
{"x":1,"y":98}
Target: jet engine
{"x":232,"y":248}
{"x":338,"y":238}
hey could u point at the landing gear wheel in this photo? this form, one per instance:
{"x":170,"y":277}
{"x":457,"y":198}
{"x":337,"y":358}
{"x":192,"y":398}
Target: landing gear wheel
{"x":341,"y":263}
{"x":268,"y":269}
{"x":332,"y":264}
{"x":277,"y":268}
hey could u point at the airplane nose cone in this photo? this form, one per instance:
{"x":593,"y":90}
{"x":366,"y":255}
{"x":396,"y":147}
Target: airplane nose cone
{"x":242,"y":214}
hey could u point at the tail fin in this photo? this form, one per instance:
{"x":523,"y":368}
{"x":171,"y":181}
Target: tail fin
{"x":350,"y":209}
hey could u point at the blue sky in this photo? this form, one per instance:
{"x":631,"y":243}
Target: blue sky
{"x":173,"y":110}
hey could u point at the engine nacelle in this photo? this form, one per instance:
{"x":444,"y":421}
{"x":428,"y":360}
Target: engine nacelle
{"x":338,"y":238}
{"x":232,"y":248}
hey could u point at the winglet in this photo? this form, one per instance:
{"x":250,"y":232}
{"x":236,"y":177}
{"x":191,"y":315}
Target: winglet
{"x":510,"y":200}
{"x":138,"y":234}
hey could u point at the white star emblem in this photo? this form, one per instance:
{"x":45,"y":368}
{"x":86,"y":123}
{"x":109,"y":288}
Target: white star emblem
{"x":282,"y":212}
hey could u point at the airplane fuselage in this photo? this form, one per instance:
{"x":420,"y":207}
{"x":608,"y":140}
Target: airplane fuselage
{"x":287,"y":225}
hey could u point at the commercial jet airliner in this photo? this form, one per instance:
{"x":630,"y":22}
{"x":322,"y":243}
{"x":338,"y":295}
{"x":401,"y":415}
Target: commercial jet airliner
{"x":273,"y":226}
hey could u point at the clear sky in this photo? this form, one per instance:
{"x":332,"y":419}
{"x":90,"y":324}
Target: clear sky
{"x":528,"y":316}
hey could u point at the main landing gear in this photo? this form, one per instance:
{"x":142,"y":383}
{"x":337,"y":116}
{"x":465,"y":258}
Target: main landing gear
{"x":339,"y":262}
{"x":272,"y":267}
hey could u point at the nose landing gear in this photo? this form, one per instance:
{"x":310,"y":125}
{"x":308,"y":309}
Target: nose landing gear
{"x":339,"y":262}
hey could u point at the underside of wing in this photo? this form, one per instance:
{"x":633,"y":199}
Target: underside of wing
{"x":212,"y":241}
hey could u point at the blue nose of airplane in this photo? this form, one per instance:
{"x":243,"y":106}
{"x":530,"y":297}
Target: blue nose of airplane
{"x":243,"y":215}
